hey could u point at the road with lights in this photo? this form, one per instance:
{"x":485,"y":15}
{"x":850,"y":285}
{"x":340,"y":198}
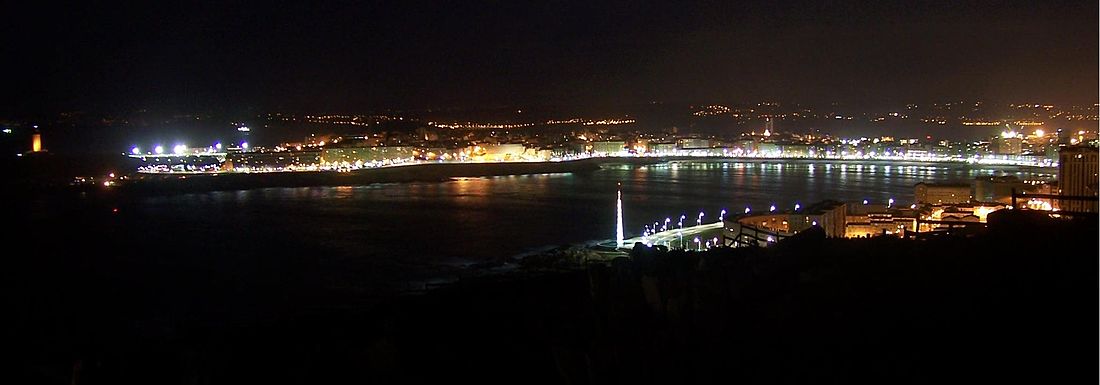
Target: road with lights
{"x":708,"y":234}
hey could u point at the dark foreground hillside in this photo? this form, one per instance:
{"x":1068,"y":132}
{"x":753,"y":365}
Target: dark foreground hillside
{"x":1017,"y":303}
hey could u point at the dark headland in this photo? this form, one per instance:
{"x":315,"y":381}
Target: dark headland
{"x":1015,"y":303}
{"x":413,"y":173}
{"x":44,"y":174}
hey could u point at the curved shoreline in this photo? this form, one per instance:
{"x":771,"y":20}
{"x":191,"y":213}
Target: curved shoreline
{"x":168,"y":183}
{"x":430,"y":172}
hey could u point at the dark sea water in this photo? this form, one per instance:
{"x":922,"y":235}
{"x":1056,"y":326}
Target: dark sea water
{"x":384,"y":233}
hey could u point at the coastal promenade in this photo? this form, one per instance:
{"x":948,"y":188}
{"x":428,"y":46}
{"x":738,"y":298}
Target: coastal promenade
{"x":708,"y":235}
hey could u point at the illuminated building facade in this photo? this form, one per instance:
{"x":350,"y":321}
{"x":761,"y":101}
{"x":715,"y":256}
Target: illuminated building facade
{"x":757,"y":230}
{"x":272,"y":161}
{"x":358,"y":156}
{"x":661,"y":148}
{"x":505,"y":152}
{"x":867,"y":220}
{"x":829,"y":215}
{"x":854,"y":220}
{"x":694,"y":143}
{"x":1078,"y":176}
{"x":608,"y":147}
{"x":1007,"y":145}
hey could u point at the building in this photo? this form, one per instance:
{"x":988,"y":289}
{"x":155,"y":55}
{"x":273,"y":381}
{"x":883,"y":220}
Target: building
{"x":765,"y":228}
{"x":795,"y":150}
{"x":272,"y":161}
{"x":1000,"y":188}
{"x":694,"y":143}
{"x":939,"y":193}
{"x":358,"y":156}
{"x":612,"y":147}
{"x":757,"y":230}
{"x":941,"y":217}
{"x":1008,"y":143}
{"x":1006,"y":146}
{"x":829,"y":215}
{"x":869,"y":220}
{"x":767,"y":149}
{"x":661,"y":148}
{"x":1078,"y":176}
{"x":501,"y":152}
{"x":843,"y":220}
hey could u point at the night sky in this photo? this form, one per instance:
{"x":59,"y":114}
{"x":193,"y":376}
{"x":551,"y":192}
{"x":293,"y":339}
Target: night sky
{"x":352,"y":57}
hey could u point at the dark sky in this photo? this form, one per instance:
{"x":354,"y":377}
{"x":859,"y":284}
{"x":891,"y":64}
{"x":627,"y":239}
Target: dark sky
{"x":353,"y":57}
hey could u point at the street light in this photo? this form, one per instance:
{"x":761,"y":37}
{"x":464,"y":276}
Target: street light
{"x":700,"y":220}
{"x":681,"y":232}
{"x":797,"y":206}
{"x":697,"y":244}
{"x":746,"y":209}
{"x":665,"y":227}
{"x":773,"y":208}
{"x":722,"y":215}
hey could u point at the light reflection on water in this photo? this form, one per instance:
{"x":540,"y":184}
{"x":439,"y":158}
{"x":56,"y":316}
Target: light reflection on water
{"x":470,"y":219}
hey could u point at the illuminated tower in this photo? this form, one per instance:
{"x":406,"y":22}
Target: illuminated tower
{"x":619,"y":217}
{"x":36,"y":142}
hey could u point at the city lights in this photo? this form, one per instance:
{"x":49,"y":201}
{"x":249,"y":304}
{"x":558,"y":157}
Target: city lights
{"x":427,"y":194}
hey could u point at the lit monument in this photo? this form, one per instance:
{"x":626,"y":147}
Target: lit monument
{"x":619,"y":218}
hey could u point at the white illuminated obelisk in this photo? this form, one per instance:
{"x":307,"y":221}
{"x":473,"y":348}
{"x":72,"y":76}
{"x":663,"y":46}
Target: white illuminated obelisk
{"x":619,"y":217}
